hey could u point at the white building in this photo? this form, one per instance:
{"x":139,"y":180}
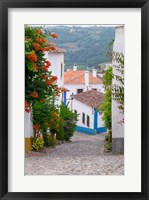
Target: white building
{"x":85,"y":105}
{"x":78,"y":81}
{"x":117,"y":116}
{"x":57,"y":67}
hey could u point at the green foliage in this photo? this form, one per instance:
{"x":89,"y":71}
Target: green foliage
{"x":37,"y":143}
{"x":109,"y":136}
{"x":60,"y":133}
{"x":108,"y":146}
{"x":42,"y":114}
{"x":83,"y":45}
{"x":49,"y":140}
{"x":54,"y":121}
{"x":106,"y":106}
{"x":68,"y":121}
{"x":118,"y":88}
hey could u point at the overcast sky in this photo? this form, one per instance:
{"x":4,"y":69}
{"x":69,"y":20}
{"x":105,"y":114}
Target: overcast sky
{"x":100,"y":25}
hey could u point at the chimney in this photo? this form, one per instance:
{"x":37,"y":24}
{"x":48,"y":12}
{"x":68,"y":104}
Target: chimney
{"x":86,"y":76}
{"x":74,"y":67}
{"x":94,"y":72}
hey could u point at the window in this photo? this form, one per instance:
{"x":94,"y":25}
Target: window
{"x":75,"y":111}
{"x":95,"y":89}
{"x":88,"y":121}
{"x":83,"y":118}
{"x":79,"y":91}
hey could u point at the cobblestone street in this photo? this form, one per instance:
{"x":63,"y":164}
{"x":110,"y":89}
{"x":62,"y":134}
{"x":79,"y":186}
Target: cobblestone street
{"x":84,"y":155}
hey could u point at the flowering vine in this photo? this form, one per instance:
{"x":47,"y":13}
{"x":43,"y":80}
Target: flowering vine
{"x":40,"y":86}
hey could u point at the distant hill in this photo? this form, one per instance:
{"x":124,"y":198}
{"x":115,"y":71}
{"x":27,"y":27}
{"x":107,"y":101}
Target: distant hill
{"x":85,"y":46}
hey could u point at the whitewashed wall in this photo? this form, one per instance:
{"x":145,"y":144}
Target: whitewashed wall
{"x":28,"y":127}
{"x":56,"y":60}
{"x":117,"y":116}
{"x":80,"y":107}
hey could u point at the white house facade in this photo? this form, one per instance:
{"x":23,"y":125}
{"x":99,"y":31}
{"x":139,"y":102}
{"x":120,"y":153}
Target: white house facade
{"x":85,"y":105}
{"x":117,"y":116}
{"x":57,"y":67}
{"x":78,"y":81}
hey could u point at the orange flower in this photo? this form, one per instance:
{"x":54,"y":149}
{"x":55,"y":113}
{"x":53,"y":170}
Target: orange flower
{"x":54,"y":78}
{"x":32,"y":57}
{"x":27,"y":106}
{"x":39,"y":31}
{"x":34,"y":94}
{"x":54,"y":35}
{"x":48,"y":63}
{"x":45,"y":76}
{"x":48,"y":82}
{"x":56,"y":88}
{"x":36,"y":127}
{"x":45,"y":68}
{"x":63,"y":90}
{"x":53,"y":48}
{"x":41,"y":40}
{"x":36,"y":46}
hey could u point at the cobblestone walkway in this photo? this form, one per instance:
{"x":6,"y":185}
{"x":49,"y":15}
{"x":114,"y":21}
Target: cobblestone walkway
{"x":84,"y":155}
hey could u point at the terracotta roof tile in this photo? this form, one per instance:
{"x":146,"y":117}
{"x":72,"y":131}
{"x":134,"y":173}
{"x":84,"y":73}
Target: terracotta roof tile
{"x":58,"y":50}
{"x":91,"y":98}
{"x":78,"y":77}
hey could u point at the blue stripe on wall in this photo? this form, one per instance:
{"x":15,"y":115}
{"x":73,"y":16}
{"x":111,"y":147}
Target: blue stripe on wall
{"x":90,"y":131}
{"x":65,"y":98}
{"x":95,"y":118}
{"x":101,"y":130}
{"x":85,"y":130}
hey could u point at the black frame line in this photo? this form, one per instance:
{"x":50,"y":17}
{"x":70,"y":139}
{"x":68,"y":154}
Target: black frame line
{"x":144,"y":5}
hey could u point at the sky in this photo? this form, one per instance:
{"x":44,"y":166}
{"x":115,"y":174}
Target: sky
{"x":100,"y":25}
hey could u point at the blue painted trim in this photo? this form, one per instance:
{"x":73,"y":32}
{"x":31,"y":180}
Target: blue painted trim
{"x":101,"y":130}
{"x":85,"y":130}
{"x":95,"y":119}
{"x":65,"y":98}
{"x":91,"y":131}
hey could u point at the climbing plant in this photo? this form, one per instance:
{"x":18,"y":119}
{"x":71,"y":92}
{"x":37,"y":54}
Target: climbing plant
{"x":118,"y":86}
{"x":41,"y":88}
{"x":106,"y":106}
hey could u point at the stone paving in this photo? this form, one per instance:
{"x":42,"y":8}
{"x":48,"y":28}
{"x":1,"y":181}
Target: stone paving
{"x":84,"y":155}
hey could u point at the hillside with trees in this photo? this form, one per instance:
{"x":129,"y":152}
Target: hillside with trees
{"x":85,"y":46}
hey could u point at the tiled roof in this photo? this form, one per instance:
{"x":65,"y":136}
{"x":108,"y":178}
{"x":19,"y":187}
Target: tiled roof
{"x":78,"y":77}
{"x":91,"y":98}
{"x":58,"y":50}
